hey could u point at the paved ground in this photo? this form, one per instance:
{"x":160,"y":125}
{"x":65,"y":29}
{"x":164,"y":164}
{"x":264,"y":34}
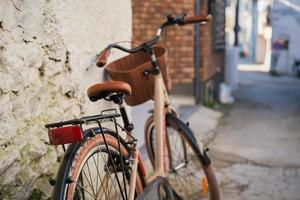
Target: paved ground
{"x":256,"y":147}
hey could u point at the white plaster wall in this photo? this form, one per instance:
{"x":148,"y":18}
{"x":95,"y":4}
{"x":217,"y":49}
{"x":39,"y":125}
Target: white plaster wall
{"x":286,"y":24}
{"x":47,"y":49}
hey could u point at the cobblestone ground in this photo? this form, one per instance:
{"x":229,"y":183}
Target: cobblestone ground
{"x":254,"y":182}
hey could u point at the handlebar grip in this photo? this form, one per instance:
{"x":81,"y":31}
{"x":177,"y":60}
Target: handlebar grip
{"x":102,"y":58}
{"x":197,"y":19}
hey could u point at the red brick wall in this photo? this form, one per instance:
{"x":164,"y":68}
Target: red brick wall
{"x":148,"y":15}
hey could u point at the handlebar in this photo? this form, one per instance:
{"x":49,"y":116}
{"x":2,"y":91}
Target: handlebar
{"x":102,"y":59}
{"x":197,"y":19}
{"x":170,"y":21}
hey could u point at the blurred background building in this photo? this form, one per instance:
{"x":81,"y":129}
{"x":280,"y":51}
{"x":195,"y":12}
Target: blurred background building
{"x":285,"y":43}
{"x":268,"y":32}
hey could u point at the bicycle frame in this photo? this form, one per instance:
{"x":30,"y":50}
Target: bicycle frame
{"x":161,"y":100}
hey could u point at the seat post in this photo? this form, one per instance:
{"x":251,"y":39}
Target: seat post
{"x":127,"y":125}
{"x":119,"y":99}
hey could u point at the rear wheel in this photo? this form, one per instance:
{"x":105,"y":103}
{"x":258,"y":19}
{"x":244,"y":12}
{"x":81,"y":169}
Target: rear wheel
{"x":95,"y":168}
{"x":187,"y":175}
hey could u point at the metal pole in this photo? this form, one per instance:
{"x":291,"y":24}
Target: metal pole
{"x":254,"y":28}
{"x":197,"y":80}
{"x":237,"y":26}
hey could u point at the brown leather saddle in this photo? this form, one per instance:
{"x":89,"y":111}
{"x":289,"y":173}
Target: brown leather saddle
{"x":102,"y":90}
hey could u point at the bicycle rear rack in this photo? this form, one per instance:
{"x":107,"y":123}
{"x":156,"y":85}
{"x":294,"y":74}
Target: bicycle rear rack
{"x":71,"y":131}
{"x":84,"y":120}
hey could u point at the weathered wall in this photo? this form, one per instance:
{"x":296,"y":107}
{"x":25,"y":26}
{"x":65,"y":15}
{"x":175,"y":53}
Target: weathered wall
{"x":46,"y":51}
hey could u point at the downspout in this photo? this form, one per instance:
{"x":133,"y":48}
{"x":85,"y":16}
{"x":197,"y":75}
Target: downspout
{"x":197,"y":80}
{"x":237,"y":26}
{"x":254,"y":29}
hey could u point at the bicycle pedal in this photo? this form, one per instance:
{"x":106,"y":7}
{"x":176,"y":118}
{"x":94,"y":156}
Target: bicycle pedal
{"x":52,"y":181}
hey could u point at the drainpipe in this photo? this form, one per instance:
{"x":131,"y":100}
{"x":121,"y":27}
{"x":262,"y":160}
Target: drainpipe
{"x":197,"y":80}
{"x":237,"y":26}
{"x":254,"y":28}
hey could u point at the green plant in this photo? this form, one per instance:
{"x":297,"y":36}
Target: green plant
{"x":212,"y":104}
{"x":36,"y":194}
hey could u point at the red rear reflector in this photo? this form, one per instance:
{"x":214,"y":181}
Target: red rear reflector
{"x":65,"y":135}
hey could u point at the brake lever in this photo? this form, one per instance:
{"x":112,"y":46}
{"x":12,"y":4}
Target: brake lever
{"x":92,"y":62}
{"x":176,"y":19}
{"x":170,"y":19}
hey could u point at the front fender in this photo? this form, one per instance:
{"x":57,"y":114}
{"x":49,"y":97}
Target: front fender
{"x":188,"y":134}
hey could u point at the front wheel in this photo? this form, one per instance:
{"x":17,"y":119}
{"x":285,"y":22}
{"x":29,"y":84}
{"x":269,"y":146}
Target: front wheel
{"x":188,"y":175}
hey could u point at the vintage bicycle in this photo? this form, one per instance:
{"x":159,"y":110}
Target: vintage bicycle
{"x":102,"y":161}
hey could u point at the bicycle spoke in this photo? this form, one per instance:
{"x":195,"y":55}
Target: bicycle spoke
{"x":81,"y":180}
{"x":86,"y":178}
{"x":176,"y":151}
{"x":103,"y":188}
{"x":77,"y":192}
{"x":105,"y":162}
{"x":109,"y":190}
{"x":103,"y":185}
{"x":98,"y":174}
{"x":113,"y":162}
{"x":106,"y":167}
{"x":85,"y":190}
{"x":92,"y":185}
{"x":121,"y":158}
{"x":106,"y":191}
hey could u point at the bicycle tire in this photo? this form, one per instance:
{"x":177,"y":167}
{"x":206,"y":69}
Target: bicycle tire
{"x":189,"y":146}
{"x":78,"y":155}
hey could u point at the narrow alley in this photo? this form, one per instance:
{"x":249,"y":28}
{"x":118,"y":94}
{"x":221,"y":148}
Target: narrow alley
{"x":257,"y":143}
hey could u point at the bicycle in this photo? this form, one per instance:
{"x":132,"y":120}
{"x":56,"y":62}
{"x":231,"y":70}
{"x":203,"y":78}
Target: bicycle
{"x":121,"y":173}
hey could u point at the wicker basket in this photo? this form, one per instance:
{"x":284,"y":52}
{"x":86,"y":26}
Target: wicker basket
{"x":130,"y":69}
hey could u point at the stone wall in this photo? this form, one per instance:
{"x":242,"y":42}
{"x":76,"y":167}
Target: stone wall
{"x":47,"y":49}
